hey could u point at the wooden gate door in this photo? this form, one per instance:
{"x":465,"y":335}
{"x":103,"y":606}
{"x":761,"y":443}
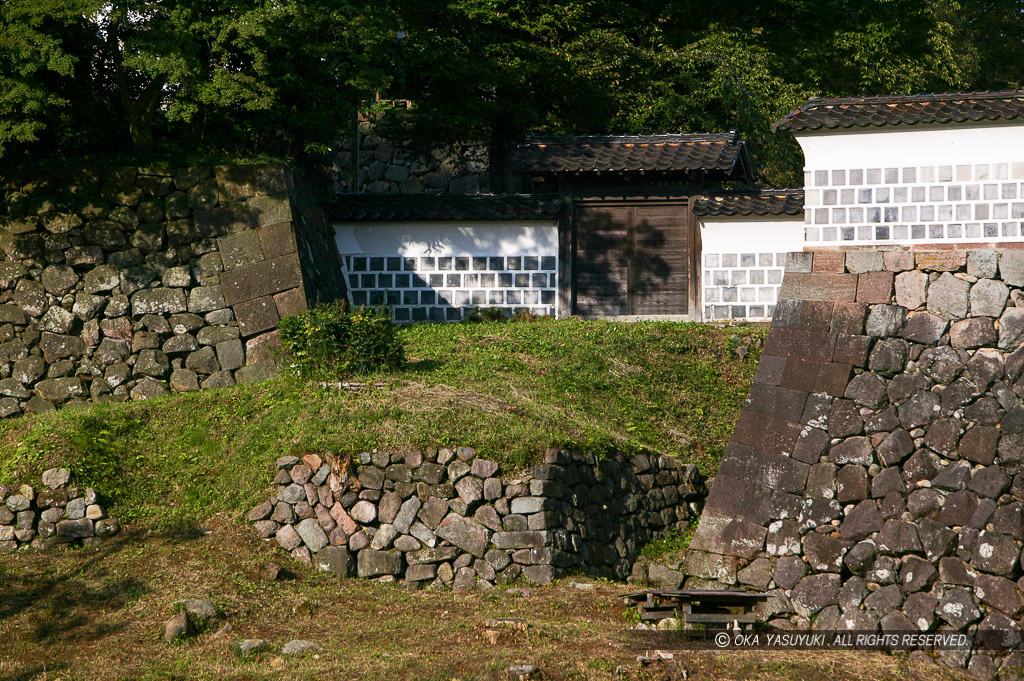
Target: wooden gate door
{"x":603,"y":260}
{"x":632,"y":260}
{"x":660,"y":284}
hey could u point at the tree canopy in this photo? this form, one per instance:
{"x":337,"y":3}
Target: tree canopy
{"x":237,"y":78}
{"x":225,"y":77}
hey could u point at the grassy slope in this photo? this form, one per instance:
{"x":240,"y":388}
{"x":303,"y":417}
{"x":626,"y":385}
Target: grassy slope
{"x":508,"y":389}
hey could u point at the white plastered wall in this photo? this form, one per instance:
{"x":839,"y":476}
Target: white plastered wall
{"x":743,"y":259}
{"x":907,"y":184}
{"x":440,"y":270}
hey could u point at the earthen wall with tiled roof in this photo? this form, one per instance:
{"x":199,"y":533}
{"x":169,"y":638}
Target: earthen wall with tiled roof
{"x":633,"y":153}
{"x":765,"y":202}
{"x":860,"y":112}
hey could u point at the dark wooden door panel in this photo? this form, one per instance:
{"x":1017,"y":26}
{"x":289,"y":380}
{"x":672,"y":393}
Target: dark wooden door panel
{"x":632,"y":259}
{"x":602,"y":260}
{"x":660,"y":283}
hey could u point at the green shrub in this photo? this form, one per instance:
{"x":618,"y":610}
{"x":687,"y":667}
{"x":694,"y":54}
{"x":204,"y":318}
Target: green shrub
{"x":485,"y":314}
{"x":334,"y":340}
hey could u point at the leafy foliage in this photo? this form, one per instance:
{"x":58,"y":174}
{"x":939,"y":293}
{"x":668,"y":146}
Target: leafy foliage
{"x":670,"y":543}
{"x":240,"y":78}
{"x":235,"y":76}
{"x":334,"y":340}
{"x":511,"y":67}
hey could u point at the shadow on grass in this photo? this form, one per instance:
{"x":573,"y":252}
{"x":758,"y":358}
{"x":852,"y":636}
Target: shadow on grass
{"x":41,"y":671}
{"x":424,"y":366}
{"x":65,"y":606}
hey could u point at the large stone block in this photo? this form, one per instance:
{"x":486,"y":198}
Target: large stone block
{"x":158,"y":301}
{"x":886,"y":320}
{"x":1011,"y":267}
{"x":858,"y":262}
{"x":277,"y":239}
{"x":263,"y":348}
{"x":373,"y":563}
{"x":940,"y":261}
{"x":948,"y":297}
{"x":240,"y":249}
{"x":874,"y":287}
{"x":312,"y":534}
{"x":988,"y":298}
{"x":466,"y":533}
{"x":269,"y":210}
{"x":56,"y":346}
{"x":833,"y":287}
{"x":1011,"y":328}
{"x":911,"y":289}
{"x":291,"y":302}
{"x":815,"y":592}
{"x":206,"y":298}
{"x":256,"y":316}
{"x":262,"y":279}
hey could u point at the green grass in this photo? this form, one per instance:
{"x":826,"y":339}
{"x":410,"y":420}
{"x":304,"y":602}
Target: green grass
{"x":508,"y":389}
{"x":668,"y":544}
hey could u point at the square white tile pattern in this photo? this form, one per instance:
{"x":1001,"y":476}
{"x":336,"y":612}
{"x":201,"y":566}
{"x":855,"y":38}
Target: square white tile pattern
{"x":441,"y":271}
{"x":743,"y":260}
{"x":933,"y":184}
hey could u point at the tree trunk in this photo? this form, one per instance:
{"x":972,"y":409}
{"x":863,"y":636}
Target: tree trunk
{"x":501,"y":148}
{"x":140,"y":127}
{"x":139,"y":111}
{"x":498,"y":158}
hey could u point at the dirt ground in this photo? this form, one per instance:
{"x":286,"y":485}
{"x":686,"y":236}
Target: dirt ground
{"x":98,"y":613}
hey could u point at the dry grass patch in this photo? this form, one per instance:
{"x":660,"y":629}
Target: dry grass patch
{"x":97,"y":614}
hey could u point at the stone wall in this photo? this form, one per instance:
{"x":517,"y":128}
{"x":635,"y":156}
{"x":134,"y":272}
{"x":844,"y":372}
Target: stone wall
{"x":135,"y":282}
{"x":875,"y":478}
{"x":57,"y":514}
{"x":388,"y":168}
{"x":446,"y":518}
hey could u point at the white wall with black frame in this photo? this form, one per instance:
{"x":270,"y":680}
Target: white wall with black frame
{"x":742,"y":262}
{"x":440,"y":271}
{"x":930,"y":183}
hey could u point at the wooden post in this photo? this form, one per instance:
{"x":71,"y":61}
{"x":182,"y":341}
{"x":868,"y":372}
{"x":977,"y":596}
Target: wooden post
{"x":566,"y":249}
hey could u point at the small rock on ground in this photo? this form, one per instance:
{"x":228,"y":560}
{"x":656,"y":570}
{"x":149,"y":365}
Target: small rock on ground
{"x":177,"y":627}
{"x":300,"y":647}
{"x":522,"y":672}
{"x":251,"y":646}
{"x":270,"y":572}
{"x":199,"y":610}
{"x":224,"y":631}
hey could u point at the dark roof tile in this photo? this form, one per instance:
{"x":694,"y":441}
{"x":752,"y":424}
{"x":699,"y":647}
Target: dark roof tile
{"x":764,"y":202}
{"x":441,"y":207}
{"x":862,"y":112}
{"x":608,"y":153}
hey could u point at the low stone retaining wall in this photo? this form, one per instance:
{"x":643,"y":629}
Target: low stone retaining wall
{"x":55,"y":515}
{"x":875,"y":478}
{"x":137,"y":282}
{"x":446,"y":518}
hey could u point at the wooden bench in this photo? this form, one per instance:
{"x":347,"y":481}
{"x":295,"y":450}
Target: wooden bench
{"x":713,"y":608}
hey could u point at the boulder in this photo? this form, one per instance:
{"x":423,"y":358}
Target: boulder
{"x":373,"y":563}
{"x":948,"y":296}
{"x":466,"y":533}
{"x":815,"y":592}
